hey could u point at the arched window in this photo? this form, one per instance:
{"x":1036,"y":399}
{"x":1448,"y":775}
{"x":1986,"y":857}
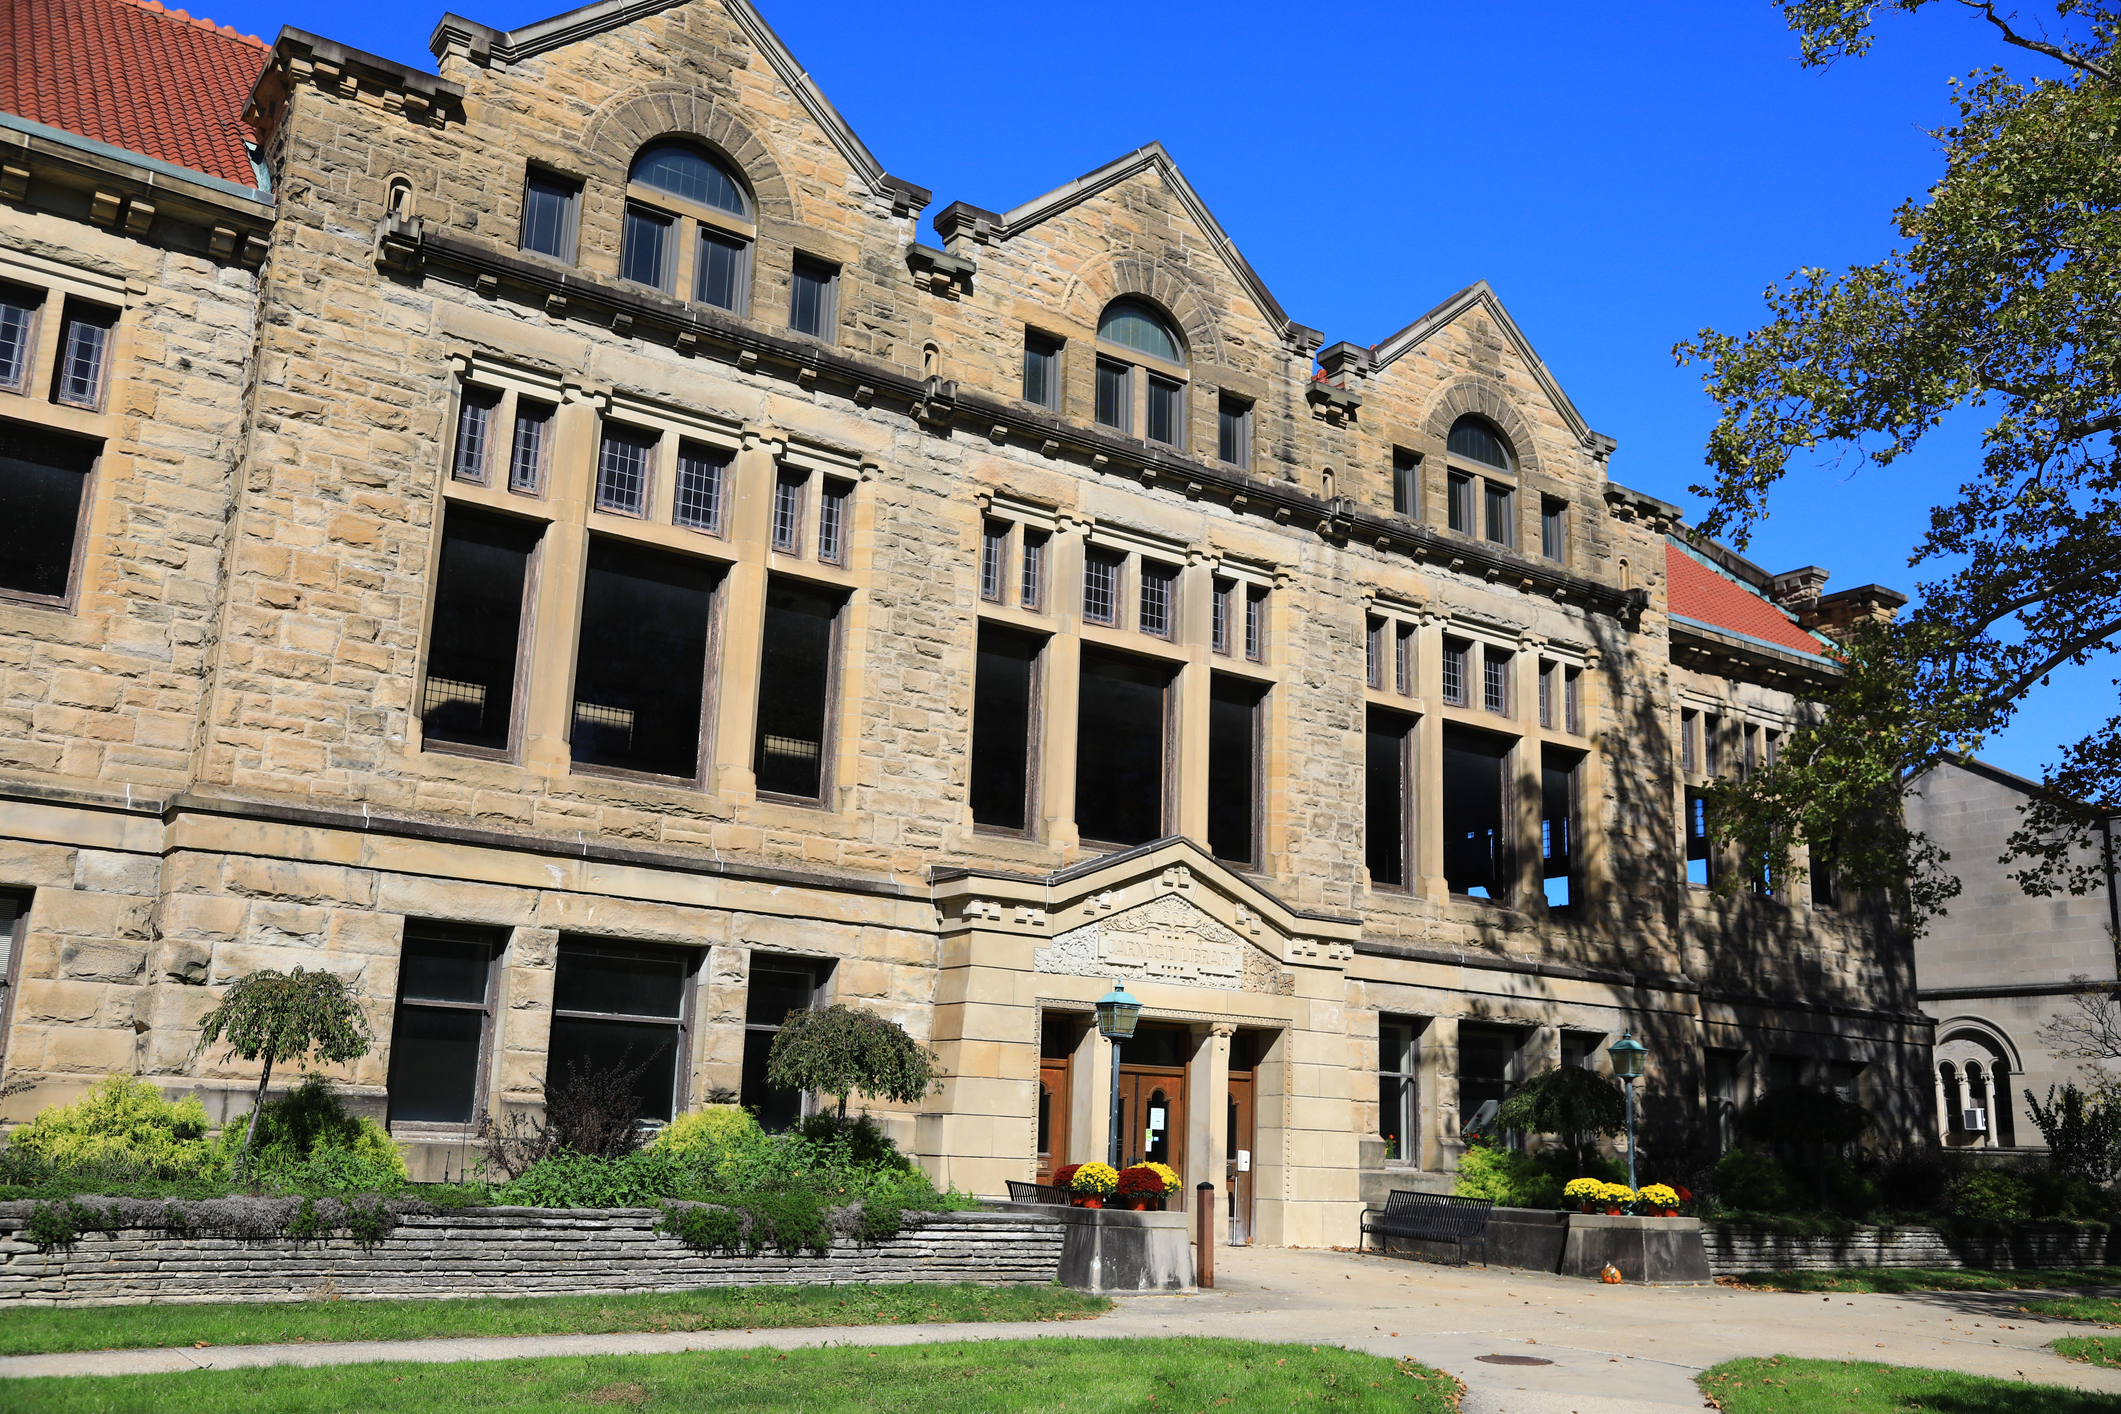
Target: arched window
{"x":680,"y":170}
{"x":1141,"y":372}
{"x":1476,"y":439}
{"x":688,"y":226}
{"x":1954,"y":1105}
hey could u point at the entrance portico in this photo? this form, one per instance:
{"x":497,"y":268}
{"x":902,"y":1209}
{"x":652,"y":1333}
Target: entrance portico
{"x":1218,"y":964}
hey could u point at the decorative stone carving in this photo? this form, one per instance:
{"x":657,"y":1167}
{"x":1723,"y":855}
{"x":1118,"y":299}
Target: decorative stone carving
{"x":1165,"y":940}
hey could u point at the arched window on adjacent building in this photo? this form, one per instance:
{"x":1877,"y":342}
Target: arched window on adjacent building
{"x":1954,"y":1103}
{"x":1482,"y":481}
{"x":688,"y":226}
{"x":1976,"y":1101}
{"x":1141,"y":372}
{"x":2002,"y":1123}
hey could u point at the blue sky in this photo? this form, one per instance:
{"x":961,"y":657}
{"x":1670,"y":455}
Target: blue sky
{"x":1622,"y":175}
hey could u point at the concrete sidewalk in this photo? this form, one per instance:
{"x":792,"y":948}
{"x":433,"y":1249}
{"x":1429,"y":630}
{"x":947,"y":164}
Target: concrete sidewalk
{"x":1615,"y":1349}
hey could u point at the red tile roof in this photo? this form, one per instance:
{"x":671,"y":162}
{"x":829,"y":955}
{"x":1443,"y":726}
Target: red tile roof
{"x":1694,"y":591}
{"x":134,"y":75}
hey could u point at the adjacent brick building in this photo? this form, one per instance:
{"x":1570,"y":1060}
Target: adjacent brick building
{"x":573,"y":561}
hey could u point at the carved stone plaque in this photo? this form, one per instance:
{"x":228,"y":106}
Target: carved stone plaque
{"x":1164,"y":940}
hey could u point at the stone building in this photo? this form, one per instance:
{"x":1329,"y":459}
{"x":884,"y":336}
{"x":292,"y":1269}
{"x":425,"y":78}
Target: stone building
{"x":616,"y":582}
{"x":1999,"y":964}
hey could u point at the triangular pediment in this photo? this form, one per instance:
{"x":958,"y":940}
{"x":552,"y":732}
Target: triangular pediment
{"x":487,"y":45}
{"x":1164,"y":912}
{"x":1153,"y":159}
{"x":1481,"y":297}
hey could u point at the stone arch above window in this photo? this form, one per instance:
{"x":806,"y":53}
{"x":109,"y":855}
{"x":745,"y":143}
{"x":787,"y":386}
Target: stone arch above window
{"x":1097,"y":284}
{"x":1141,"y":326}
{"x":1478,"y":398}
{"x":629,"y":124}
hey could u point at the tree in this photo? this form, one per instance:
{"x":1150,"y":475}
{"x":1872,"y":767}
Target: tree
{"x":283,"y":1016}
{"x":1578,"y":1104}
{"x":2083,"y":1136}
{"x":2005,"y":299}
{"x":838,"y":1049}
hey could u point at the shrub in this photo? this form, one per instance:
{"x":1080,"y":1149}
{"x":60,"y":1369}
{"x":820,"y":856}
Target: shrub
{"x":880,"y":1222}
{"x":2067,"y":1195}
{"x":1577,"y":1104}
{"x":838,"y":1050}
{"x":125,"y":1123}
{"x":308,"y":1140}
{"x":1507,"y":1179}
{"x":2083,"y":1136}
{"x":706,"y":1229}
{"x":639,"y":1180}
{"x":1991,"y":1194}
{"x":697,"y":1135}
{"x":860,"y":1141}
{"x":1753,"y":1183}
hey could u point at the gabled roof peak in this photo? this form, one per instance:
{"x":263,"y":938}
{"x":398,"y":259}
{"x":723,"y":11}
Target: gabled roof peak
{"x":486,"y":45}
{"x":986,"y":226}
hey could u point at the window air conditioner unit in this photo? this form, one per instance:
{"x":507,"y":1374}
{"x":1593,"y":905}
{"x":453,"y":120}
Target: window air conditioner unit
{"x":1974,"y":1121}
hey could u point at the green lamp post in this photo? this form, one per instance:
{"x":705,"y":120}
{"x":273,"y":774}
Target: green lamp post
{"x":1628,"y":1055}
{"x":1116,"y":1014}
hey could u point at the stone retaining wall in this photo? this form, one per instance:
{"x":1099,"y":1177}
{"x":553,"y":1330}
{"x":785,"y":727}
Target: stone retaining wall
{"x":504,"y":1252}
{"x":1740,"y":1247}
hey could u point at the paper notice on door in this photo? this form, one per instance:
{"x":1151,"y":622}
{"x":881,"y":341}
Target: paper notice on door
{"x":1156,"y":1119}
{"x":1244,"y":1161}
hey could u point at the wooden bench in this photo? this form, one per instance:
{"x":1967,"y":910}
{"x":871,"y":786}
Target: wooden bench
{"x":1430,"y":1217}
{"x":1021,"y":1192}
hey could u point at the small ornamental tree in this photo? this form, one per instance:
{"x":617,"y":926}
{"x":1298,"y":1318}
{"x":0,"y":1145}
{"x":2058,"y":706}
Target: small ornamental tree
{"x":1577,"y":1104}
{"x":281,"y":1016}
{"x":838,"y":1049}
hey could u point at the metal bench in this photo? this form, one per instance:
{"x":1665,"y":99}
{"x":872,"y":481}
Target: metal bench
{"x":1430,"y":1217}
{"x":1021,"y":1192}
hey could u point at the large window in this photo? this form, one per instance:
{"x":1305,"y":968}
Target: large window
{"x":1476,"y":841}
{"x":622,"y":1007}
{"x":778,"y":986}
{"x":551,"y":211}
{"x":1388,"y":795}
{"x":84,"y":355}
{"x":44,"y":479}
{"x":1004,"y":728}
{"x":18,"y":335}
{"x":1042,"y":369}
{"x":474,"y":649}
{"x":1234,"y":710}
{"x":1122,"y":732}
{"x":1406,"y":482}
{"x":1558,"y":793}
{"x":1399,"y":1088}
{"x":1134,"y":337}
{"x":640,"y":687}
{"x":684,"y":204}
{"x":1487,"y":1064}
{"x":1233,"y":430}
{"x":796,"y":689}
{"x":441,"y":1036}
{"x":813,"y":297}
{"x":1475,"y":440}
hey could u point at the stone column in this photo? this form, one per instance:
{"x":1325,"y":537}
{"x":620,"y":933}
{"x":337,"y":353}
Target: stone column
{"x":743,"y":610}
{"x":1090,"y":1099}
{"x":1190,"y":713}
{"x":1429,"y":881}
{"x":1438,"y":1052}
{"x":1063,"y":669}
{"x":548,"y":717}
{"x":1593,"y":790}
{"x":1208,"y":1120}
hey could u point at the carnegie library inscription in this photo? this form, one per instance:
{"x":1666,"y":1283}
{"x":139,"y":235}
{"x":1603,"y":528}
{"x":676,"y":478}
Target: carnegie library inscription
{"x":1164,"y":940}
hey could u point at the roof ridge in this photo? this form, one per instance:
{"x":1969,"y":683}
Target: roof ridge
{"x":196,"y":21}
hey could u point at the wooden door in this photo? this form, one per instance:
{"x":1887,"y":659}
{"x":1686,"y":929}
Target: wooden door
{"x":1152,"y":1117}
{"x":1237,"y":1168}
{"x":1052,"y":1116}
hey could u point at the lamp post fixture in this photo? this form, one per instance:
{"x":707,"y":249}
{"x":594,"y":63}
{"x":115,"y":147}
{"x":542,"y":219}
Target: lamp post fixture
{"x":1116,"y":1014}
{"x":1628,"y":1055}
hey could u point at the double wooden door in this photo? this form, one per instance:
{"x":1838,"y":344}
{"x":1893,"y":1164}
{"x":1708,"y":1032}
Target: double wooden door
{"x":1152,"y":1116}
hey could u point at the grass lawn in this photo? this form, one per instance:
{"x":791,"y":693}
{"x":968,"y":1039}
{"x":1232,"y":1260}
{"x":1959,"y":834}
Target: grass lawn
{"x":1078,"y":1376}
{"x":1891,"y":1279}
{"x":1775,"y":1385}
{"x":53,"y":1329}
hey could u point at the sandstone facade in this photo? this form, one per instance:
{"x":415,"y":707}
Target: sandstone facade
{"x":219,"y":759}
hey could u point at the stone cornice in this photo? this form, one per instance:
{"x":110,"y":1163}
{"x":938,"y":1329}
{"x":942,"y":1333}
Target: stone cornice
{"x":299,"y":57}
{"x":945,"y":407}
{"x":1727,"y":654}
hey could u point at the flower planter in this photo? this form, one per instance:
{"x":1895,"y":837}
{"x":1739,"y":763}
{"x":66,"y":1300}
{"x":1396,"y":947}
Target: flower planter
{"x":1089,"y":1202}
